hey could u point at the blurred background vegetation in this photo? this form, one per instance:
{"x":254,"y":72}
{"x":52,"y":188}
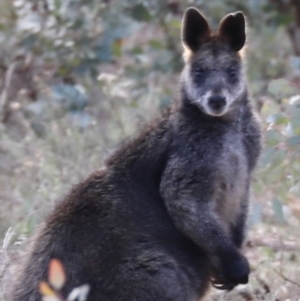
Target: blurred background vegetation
{"x":78,"y":76}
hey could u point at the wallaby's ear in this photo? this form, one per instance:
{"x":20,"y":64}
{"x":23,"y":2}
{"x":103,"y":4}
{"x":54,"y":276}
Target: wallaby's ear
{"x":195,"y":29}
{"x":232,"y":29}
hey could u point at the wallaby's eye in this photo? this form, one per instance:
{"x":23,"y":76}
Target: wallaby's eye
{"x":232,"y":73}
{"x":199,"y":72}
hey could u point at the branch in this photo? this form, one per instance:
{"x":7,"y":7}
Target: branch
{"x":5,"y":88}
{"x":280,"y":274}
{"x":273,"y":244}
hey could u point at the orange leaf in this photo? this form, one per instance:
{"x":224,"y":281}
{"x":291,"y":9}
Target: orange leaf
{"x":45,"y":289}
{"x":57,"y":277}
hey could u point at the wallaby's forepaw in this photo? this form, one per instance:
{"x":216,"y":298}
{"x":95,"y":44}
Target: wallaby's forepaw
{"x":220,"y":283}
{"x":237,"y":270}
{"x":234,"y":270}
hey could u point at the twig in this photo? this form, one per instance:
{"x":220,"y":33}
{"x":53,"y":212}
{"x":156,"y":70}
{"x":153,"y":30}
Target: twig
{"x":274,"y":245}
{"x":280,"y":274}
{"x":5,"y":88}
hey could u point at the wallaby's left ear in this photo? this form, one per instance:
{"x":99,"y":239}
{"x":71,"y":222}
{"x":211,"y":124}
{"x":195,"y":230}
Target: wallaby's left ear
{"x":232,"y":29}
{"x":194,"y":30}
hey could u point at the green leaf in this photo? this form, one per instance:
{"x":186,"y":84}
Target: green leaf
{"x":281,"y":87}
{"x":283,"y":19}
{"x":295,"y":189}
{"x":175,"y":24}
{"x":140,"y":13}
{"x":295,"y":118}
{"x":289,"y":131}
{"x":278,"y":118}
{"x":276,"y":174}
{"x":267,"y":156}
{"x":295,"y":62}
{"x":256,"y":213}
{"x":293,"y":141}
{"x":279,"y":157}
{"x":278,"y":210}
{"x":156,"y":44}
{"x":117,"y":48}
{"x":273,"y":137}
{"x":137,"y":50}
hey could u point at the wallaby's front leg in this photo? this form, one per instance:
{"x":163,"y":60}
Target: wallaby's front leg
{"x":189,"y":204}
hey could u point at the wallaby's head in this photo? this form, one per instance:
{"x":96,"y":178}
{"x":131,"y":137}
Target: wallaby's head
{"x":213,"y":77}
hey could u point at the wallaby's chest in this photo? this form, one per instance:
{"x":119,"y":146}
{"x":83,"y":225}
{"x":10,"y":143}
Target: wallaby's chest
{"x":231,"y":180}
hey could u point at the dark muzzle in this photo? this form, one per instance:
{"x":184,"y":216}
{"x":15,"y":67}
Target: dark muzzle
{"x":217,"y":103}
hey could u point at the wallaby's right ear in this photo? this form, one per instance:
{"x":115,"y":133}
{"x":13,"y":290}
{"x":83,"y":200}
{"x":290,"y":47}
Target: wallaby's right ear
{"x":195,"y":29}
{"x":232,"y":29}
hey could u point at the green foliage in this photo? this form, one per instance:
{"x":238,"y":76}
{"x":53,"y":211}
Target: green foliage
{"x":279,"y":174}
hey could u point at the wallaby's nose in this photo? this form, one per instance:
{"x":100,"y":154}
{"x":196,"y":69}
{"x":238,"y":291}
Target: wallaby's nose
{"x":217,"y":102}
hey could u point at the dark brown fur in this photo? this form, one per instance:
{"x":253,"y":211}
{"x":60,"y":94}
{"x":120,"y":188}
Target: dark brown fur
{"x":168,"y":211}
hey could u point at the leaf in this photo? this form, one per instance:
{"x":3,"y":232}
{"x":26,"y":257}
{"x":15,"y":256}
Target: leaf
{"x":140,"y":13}
{"x":256,"y":213}
{"x":278,"y":118}
{"x":295,"y":117}
{"x":273,"y":137}
{"x":56,"y":276}
{"x":293,"y":141}
{"x":79,"y":293}
{"x":295,"y":63}
{"x":156,"y":44}
{"x":45,"y":289}
{"x":8,"y":238}
{"x":137,"y":50}
{"x":276,"y":174}
{"x":175,"y":24}
{"x":278,"y":209}
{"x":267,"y":156}
{"x":283,"y":19}
{"x":295,"y":190}
{"x":117,"y":47}
{"x":69,"y":97}
{"x":289,"y":131}
{"x":281,"y":87}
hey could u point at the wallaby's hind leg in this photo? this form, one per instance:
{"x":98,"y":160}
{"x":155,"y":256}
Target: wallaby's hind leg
{"x":153,"y":282}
